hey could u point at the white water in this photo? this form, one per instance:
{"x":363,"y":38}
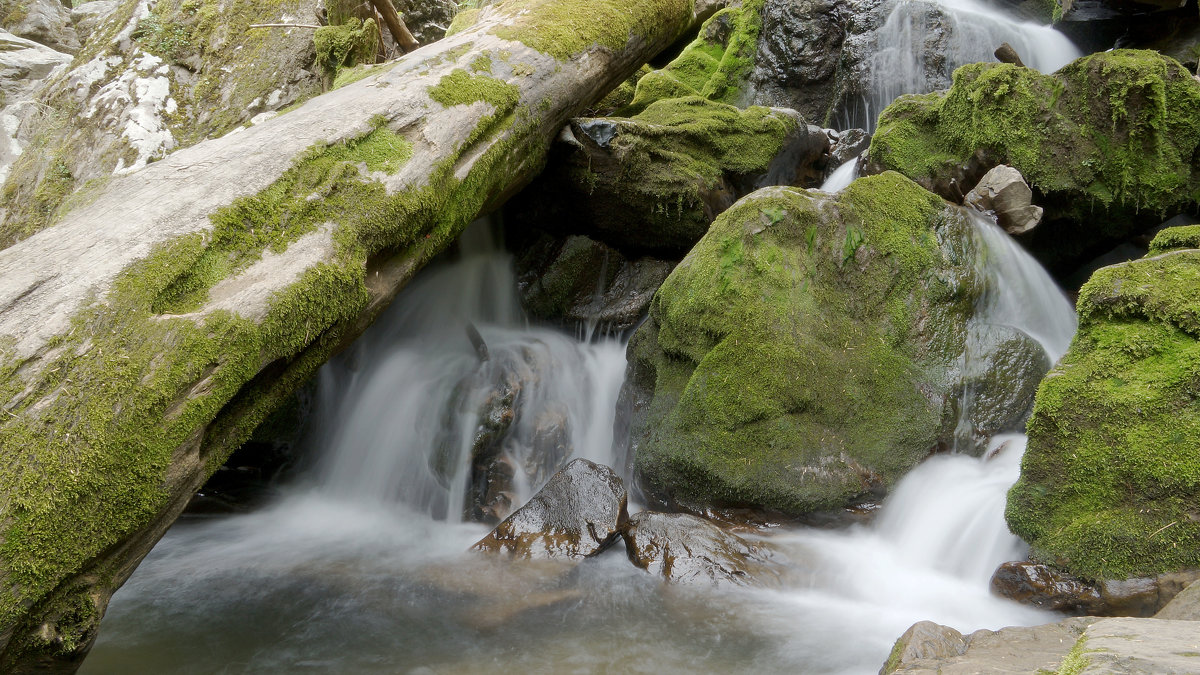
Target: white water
{"x":363,"y":568}
{"x":841,"y":177}
{"x":908,"y":58}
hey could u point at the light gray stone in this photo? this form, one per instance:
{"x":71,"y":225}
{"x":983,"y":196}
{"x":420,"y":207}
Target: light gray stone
{"x":1142,"y":647}
{"x":1004,"y":191}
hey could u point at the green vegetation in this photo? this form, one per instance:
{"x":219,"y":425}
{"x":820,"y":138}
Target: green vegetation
{"x":1111,"y":479}
{"x":347,"y":45}
{"x":789,"y":375}
{"x":1114,"y":133}
{"x":714,"y":66}
{"x":1186,"y":236}
{"x":566,"y":28}
{"x":1075,"y":660}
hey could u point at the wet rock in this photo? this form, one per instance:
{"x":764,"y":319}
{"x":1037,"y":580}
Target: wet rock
{"x":1003,"y":367}
{"x":1004,"y":192}
{"x":47,"y":22}
{"x":577,"y":281}
{"x":1006,"y":53}
{"x":799,"y":52}
{"x":1043,"y":586}
{"x":1017,"y":649}
{"x":427,"y":20}
{"x":579,"y":513}
{"x":848,"y":145}
{"x":685,"y":549}
{"x":1049,"y":588}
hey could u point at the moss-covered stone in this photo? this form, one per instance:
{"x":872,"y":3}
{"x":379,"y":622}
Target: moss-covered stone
{"x":800,"y":355}
{"x":655,"y":181}
{"x":347,"y":45}
{"x":1109,"y":143}
{"x":714,"y":66}
{"x":569,"y":27}
{"x":1111,"y":480}
{"x":1183,"y":236}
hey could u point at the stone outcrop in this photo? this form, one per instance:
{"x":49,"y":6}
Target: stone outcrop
{"x":46,"y":22}
{"x":25,"y":66}
{"x":802,"y":355}
{"x":1108,"y":143}
{"x":578,"y":513}
{"x":1045,"y":587}
{"x":1111,"y":478}
{"x":158,"y":321}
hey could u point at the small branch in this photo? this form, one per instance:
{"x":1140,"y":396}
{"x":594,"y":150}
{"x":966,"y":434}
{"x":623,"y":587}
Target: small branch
{"x":396,"y":25}
{"x":284,"y":25}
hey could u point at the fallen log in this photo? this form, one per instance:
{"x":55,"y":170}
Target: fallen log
{"x":146,"y":334}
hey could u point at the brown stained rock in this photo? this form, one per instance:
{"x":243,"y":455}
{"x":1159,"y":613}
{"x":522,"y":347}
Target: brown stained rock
{"x":1043,"y":586}
{"x":578,"y":513}
{"x":1003,"y":191}
{"x":1013,"y":650}
{"x":686,"y":549}
{"x":924,"y":640}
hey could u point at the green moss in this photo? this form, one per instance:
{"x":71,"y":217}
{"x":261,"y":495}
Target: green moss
{"x":463,"y":20}
{"x":1116,"y":131}
{"x":566,"y":28}
{"x":1185,"y":236}
{"x":347,"y":45}
{"x":788,"y":375}
{"x":715,"y":65}
{"x":1076,"y":660}
{"x":1111,"y":478}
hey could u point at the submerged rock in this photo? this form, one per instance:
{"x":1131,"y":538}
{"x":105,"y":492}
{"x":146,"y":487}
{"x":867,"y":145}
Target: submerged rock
{"x":1110,"y":482}
{"x":1109,"y":142}
{"x":801,"y":357}
{"x":579,"y":513}
{"x":685,"y":549}
{"x":1002,"y":369}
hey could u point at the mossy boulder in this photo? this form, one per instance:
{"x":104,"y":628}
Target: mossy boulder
{"x":1110,"y":143}
{"x":802,"y":355}
{"x":654,"y":182}
{"x":1110,"y":483}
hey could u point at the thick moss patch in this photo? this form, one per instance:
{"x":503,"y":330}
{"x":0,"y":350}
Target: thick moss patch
{"x":1109,"y":140}
{"x":566,"y":28}
{"x":714,"y":66}
{"x":347,"y":45}
{"x":795,"y":356}
{"x":1110,"y":484}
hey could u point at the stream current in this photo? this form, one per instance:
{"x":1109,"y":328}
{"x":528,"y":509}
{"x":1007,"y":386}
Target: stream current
{"x":362,"y":566}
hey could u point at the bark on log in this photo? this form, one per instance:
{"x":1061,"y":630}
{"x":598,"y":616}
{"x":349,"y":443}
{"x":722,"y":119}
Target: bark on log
{"x":396,"y":26}
{"x":148,"y":332}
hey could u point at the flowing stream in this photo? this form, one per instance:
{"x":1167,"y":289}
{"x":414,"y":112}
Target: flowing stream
{"x":362,"y":565}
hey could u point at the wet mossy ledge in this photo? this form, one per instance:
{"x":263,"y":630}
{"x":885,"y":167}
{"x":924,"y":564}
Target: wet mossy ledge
{"x":1110,"y":483}
{"x":183,"y":301}
{"x":1110,"y":143}
{"x":800,"y":357}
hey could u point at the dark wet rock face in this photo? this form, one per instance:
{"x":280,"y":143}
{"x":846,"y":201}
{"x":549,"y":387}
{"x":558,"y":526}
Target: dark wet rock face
{"x":1048,"y":588}
{"x":578,"y":513}
{"x":1000,"y":378}
{"x":686,"y":549}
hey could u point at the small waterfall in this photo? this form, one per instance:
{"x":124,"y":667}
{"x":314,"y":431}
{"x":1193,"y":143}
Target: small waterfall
{"x":399,"y":416}
{"x":841,"y":177}
{"x":922,"y":42}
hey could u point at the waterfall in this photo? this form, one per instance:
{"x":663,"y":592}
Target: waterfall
{"x":922,"y":42}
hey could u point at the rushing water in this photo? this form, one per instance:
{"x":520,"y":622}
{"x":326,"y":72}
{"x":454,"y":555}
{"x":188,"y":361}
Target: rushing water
{"x":363,"y":568}
{"x":922,"y":42}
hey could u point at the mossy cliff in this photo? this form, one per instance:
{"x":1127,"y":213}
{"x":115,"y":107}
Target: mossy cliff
{"x":1110,"y":483}
{"x":1110,"y":143}
{"x":800,"y":356}
{"x":172,"y":327}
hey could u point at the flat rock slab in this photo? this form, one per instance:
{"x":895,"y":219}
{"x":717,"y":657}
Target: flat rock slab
{"x":1017,"y":649}
{"x":1134,"y":646}
{"x":578,"y":513}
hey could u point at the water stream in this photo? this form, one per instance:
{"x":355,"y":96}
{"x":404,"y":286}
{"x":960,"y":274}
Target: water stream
{"x":362,"y":567}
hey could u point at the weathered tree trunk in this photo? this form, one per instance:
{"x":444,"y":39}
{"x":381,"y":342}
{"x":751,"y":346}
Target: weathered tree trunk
{"x":396,"y":25}
{"x":147,"y":333}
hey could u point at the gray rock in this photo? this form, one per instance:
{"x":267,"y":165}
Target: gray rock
{"x":25,"y":66}
{"x":686,"y":549}
{"x":1142,"y":647}
{"x":1003,"y":191}
{"x":1185,"y":606}
{"x":579,"y":513}
{"x":848,"y":145}
{"x":427,"y":20}
{"x":1017,"y":649}
{"x":1003,"y":367}
{"x":89,"y":16}
{"x":46,"y":22}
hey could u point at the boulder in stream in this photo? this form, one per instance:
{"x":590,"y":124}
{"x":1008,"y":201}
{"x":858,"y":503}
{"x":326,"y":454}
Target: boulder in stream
{"x":802,"y":356}
{"x":683,"y":548}
{"x":578,"y":513}
{"x":1004,"y":192}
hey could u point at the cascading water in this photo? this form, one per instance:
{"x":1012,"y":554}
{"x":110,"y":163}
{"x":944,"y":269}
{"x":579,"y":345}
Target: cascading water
{"x":922,"y":42}
{"x":362,"y":568}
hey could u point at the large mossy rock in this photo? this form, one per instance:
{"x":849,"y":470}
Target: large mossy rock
{"x":1110,"y":484}
{"x":1109,"y":143}
{"x":802,"y":354}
